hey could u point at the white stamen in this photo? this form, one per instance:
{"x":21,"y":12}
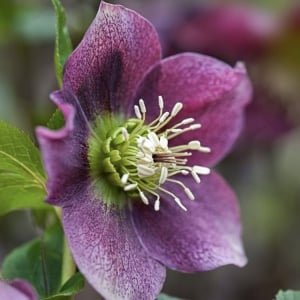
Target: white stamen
{"x":163,"y":175}
{"x":130,"y":187}
{"x":164,"y":117}
{"x":144,"y":198}
{"x":205,"y":149}
{"x":125,"y":133}
{"x":189,"y":194}
{"x":177,"y":200}
{"x":196,"y":177}
{"x":137,"y":112}
{"x":201,"y":170}
{"x":142,"y":106}
{"x":124,"y":178}
{"x":194,"y":145}
{"x":194,"y":126}
{"x":184,"y":172}
{"x":176,"y":109}
{"x":161,"y":102}
{"x":145,"y":171}
{"x":163,"y":142}
{"x":187,"y":121}
{"x":156,"y":204}
{"x":153,"y":138}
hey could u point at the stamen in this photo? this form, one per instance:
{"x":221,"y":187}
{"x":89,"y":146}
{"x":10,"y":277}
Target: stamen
{"x":125,"y":133}
{"x":142,"y":106}
{"x":130,"y":187}
{"x":164,"y":117}
{"x":163,"y":175}
{"x":144,"y":198}
{"x":201,"y":170}
{"x":189,"y":194}
{"x":161,"y":103}
{"x":124,"y":178}
{"x":137,"y":112}
{"x":156,"y":204}
{"x":176,"y":109}
{"x":196,"y":177}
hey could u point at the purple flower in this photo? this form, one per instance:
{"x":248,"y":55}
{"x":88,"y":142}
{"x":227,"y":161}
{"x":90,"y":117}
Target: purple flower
{"x":127,"y":171}
{"x":17,"y":290}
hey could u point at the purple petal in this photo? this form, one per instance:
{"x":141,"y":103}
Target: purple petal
{"x":205,"y":237}
{"x":17,"y":290}
{"x":108,"y":252}
{"x":113,"y":56}
{"x":64,"y":151}
{"x":212,"y":92}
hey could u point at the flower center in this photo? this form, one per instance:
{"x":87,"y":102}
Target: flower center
{"x":134,"y":159}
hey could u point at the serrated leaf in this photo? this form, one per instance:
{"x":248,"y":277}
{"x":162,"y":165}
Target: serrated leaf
{"x":73,"y":286}
{"x":288,"y":295}
{"x":39,"y":262}
{"x":63,"y":45}
{"x":22,"y":179}
{"x":166,"y":297}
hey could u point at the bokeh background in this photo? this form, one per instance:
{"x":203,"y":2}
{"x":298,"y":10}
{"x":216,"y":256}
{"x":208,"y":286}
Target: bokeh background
{"x":263,"y":167}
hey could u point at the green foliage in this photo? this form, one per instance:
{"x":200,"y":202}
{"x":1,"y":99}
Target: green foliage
{"x":56,"y":121}
{"x":63,"y":45}
{"x":74,"y":285}
{"x":288,"y":295}
{"x":22,"y":179}
{"x":38,"y":262}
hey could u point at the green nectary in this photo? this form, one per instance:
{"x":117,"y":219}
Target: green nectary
{"x":129,"y":158}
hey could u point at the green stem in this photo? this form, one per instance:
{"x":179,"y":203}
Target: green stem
{"x":68,"y":265}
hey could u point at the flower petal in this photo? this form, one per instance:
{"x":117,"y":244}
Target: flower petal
{"x":205,"y":237}
{"x":113,"y":56}
{"x":107,"y":250}
{"x":64,"y":151}
{"x":213,"y":93}
{"x":17,"y":290}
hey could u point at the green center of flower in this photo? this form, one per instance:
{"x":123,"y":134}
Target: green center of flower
{"x":129,"y":158}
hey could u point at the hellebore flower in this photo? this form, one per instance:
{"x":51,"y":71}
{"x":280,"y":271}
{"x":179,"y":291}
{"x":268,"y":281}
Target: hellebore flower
{"x":17,"y":290}
{"x":127,"y":171}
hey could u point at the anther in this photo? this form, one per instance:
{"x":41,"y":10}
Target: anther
{"x":201,"y":170}
{"x":160,"y":103}
{"x":189,"y":194}
{"x":125,"y":133}
{"x":142,"y":106}
{"x":137,"y":112}
{"x":176,"y":109}
{"x":163,"y":175}
{"x":144,"y":198}
{"x":130,"y":187}
{"x":124,"y":178}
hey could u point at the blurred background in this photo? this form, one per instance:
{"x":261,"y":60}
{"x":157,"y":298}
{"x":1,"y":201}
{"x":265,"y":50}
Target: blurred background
{"x":263,"y":168}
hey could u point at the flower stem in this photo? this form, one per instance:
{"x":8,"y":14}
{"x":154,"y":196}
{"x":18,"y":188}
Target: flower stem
{"x":68,"y":265}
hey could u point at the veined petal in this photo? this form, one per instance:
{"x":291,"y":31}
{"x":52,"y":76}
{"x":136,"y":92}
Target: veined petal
{"x":64,"y":151}
{"x":206,"y":236}
{"x":107,"y":250}
{"x":212,"y":92}
{"x":116,"y":51}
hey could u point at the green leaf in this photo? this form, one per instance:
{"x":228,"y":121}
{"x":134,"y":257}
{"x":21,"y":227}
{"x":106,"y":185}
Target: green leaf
{"x":73,"y":286}
{"x":288,"y":295}
{"x":166,"y":297}
{"x":63,"y":45}
{"x":22,"y":179}
{"x":39,"y":262}
{"x":56,"y":121}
